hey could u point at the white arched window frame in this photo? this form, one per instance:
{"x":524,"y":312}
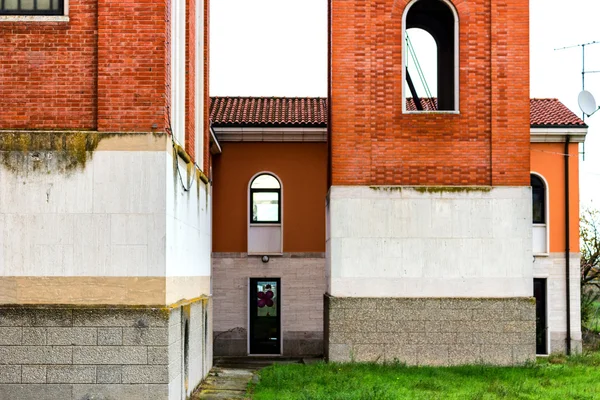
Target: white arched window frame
{"x":265,"y":237}
{"x":456,"y":63}
{"x":541,"y":231}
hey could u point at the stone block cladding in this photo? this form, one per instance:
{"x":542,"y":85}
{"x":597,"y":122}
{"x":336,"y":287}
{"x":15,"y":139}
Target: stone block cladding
{"x":430,"y":331}
{"x":114,"y":352}
{"x":552,"y":269}
{"x":302,"y":286}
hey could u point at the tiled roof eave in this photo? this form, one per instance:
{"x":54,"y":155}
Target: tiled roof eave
{"x":559,"y":126}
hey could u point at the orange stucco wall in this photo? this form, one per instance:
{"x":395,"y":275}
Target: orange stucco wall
{"x":547,"y":160}
{"x":302,"y":168}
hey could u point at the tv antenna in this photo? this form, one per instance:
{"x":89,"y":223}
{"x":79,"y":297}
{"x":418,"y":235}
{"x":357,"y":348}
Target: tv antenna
{"x":587,"y":103}
{"x":586,"y":100}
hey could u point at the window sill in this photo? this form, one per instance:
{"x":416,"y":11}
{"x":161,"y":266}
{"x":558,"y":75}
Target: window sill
{"x":34,"y":18}
{"x":541,"y":254}
{"x":265,"y":224}
{"x":432,"y":112}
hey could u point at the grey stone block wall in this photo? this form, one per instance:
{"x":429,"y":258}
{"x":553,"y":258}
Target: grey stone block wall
{"x":82,"y":352}
{"x":295,"y":343}
{"x":303,"y":284}
{"x":430,"y":331}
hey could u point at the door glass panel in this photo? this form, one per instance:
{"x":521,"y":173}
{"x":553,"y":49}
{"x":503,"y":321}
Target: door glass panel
{"x":266,"y":293}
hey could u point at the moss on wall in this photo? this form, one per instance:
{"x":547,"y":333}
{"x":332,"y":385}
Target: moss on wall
{"x":50,"y":151}
{"x":434,"y":189}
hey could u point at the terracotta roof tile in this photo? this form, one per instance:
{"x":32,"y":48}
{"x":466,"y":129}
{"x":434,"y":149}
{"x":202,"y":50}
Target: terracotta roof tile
{"x":312,"y":111}
{"x":307,"y":111}
{"x":428,"y":104}
{"x":552,"y":113}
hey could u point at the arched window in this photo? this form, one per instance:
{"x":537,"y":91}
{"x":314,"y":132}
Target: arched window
{"x":430,"y":67}
{"x":539,"y":201}
{"x":538,"y":189}
{"x":265,"y":200}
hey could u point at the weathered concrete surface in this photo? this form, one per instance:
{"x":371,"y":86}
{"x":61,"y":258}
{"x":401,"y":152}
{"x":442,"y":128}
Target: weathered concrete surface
{"x":225,"y":383}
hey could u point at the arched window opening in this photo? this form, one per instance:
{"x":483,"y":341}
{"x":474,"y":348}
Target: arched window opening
{"x":421,"y":65}
{"x":538,"y":189}
{"x":265,"y":200}
{"x":539,"y":201}
{"x":431,"y":56}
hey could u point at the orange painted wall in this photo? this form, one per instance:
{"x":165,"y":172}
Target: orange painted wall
{"x":547,"y":160}
{"x":302,"y":168}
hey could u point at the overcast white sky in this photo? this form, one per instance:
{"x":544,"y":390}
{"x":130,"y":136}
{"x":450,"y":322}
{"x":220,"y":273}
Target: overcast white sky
{"x":279,"y":48}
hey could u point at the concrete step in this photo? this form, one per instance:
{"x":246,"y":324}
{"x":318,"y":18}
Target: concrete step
{"x":253,"y":362}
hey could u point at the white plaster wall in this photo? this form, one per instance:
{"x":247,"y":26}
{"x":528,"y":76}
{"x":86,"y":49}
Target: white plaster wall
{"x":552,"y":268}
{"x":188,"y":223}
{"x":399,"y":242}
{"x":107,"y":219}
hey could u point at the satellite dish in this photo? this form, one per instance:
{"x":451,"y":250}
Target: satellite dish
{"x":587,"y":103}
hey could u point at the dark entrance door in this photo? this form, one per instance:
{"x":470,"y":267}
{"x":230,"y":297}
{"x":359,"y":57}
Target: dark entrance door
{"x":541,"y":337}
{"x":265,"y":316}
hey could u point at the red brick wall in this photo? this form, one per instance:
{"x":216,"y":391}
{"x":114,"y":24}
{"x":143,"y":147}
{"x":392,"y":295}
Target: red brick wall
{"x":48,"y":71}
{"x":131,"y":65}
{"x":103,"y":69}
{"x":373,"y":142}
{"x":107,"y":69}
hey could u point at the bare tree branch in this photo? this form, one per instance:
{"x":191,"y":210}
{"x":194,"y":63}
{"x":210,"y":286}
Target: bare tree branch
{"x":589,"y":234}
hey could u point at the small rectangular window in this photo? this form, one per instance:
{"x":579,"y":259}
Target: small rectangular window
{"x":32,"y":7}
{"x":265,"y":206}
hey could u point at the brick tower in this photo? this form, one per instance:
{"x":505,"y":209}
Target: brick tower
{"x":429,"y":207}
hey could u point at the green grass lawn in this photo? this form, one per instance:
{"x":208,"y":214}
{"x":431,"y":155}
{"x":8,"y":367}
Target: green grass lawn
{"x":554,"y":378}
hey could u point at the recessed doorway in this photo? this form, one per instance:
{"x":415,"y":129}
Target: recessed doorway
{"x":541,"y":326}
{"x":265,"y":316}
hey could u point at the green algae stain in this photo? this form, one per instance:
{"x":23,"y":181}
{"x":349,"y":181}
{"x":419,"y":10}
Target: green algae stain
{"x":23,"y":151}
{"x":26,"y":151}
{"x":451,"y":189}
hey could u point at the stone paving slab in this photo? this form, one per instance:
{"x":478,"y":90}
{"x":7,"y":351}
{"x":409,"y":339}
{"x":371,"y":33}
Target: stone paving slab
{"x":220,"y":395}
{"x":225,"y":383}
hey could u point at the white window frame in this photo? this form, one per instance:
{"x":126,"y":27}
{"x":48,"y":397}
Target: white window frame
{"x":199,"y":86}
{"x":178,"y":61}
{"x":456,"y":62}
{"x":547,"y":216}
{"x":274,"y":225}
